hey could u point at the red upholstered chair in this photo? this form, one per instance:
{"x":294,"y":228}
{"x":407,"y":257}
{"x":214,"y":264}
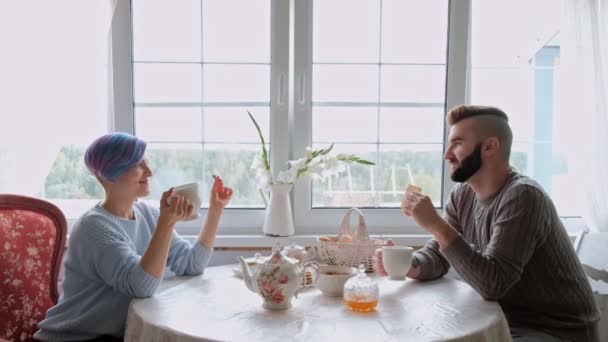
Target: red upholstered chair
{"x":32,"y":240}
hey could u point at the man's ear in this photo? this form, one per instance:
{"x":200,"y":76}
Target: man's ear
{"x":491,"y":146}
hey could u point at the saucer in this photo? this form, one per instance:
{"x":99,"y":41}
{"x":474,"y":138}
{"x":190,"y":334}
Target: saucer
{"x":237,"y":271}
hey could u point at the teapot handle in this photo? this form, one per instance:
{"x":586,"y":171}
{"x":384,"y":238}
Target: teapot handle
{"x":314,"y":268}
{"x":311,"y":253}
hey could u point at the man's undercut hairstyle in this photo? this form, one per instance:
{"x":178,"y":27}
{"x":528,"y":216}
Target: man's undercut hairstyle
{"x":489,"y":122}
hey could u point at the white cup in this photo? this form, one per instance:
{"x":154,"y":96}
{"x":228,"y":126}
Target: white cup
{"x":397,"y":261}
{"x":332,"y":279}
{"x":190,"y":192}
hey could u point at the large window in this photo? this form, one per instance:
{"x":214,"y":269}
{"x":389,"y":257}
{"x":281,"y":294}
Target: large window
{"x":374,"y":77}
{"x":517,"y":68}
{"x":198,"y":66}
{"x":378,"y":90}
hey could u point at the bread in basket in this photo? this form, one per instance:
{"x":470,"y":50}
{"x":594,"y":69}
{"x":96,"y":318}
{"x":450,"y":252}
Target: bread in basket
{"x":342,"y":252}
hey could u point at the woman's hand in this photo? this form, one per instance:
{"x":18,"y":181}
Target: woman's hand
{"x":174,"y":208}
{"x":220,"y":194}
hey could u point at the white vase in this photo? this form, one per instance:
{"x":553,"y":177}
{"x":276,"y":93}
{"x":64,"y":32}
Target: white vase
{"x":278,"y":220}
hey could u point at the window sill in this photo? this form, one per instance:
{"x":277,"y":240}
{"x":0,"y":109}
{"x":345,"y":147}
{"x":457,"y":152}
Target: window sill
{"x":263,"y":241}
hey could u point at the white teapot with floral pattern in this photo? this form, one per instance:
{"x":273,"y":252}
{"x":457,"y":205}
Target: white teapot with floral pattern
{"x":277,"y":279}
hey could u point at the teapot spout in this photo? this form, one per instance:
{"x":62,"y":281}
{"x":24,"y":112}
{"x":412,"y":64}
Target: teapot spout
{"x":247,"y":276}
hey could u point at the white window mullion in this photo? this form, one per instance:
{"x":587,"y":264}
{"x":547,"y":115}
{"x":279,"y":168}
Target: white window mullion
{"x":326,"y":220}
{"x":279,"y":83}
{"x":121,"y":117}
{"x":302,"y":108}
{"x":457,"y":69}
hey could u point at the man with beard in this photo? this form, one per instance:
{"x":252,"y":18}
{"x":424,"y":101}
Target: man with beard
{"x":502,"y":234}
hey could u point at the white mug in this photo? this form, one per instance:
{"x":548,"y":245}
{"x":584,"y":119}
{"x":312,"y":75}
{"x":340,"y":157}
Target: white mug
{"x":397,"y":261}
{"x":190,"y":192}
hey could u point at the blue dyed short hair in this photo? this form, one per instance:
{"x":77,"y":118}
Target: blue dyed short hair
{"x":111,"y":155}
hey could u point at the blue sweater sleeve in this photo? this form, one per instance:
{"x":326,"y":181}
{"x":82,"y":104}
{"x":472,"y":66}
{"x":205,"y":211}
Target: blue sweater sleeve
{"x":187,"y":258}
{"x":184,"y":258}
{"x":113,"y":258}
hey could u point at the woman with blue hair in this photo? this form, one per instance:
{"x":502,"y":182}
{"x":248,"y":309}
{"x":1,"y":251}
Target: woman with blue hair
{"x":118,"y":249}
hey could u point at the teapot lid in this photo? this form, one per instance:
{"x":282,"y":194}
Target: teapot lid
{"x":293,"y":248}
{"x":277,"y":258}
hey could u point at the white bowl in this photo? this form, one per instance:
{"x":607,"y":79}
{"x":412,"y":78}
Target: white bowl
{"x":332,"y":278}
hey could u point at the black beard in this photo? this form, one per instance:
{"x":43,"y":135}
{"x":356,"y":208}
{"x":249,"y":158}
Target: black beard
{"x":468,"y":167}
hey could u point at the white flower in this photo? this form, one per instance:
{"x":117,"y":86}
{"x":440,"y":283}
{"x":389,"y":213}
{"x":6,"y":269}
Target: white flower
{"x":298,"y":163}
{"x":32,"y":251}
{"x":287,"y":176}
{"x":317,"y":164}
{"x":258,"y":163}
{"x":333,"y":166}
{"x":264,"y":178}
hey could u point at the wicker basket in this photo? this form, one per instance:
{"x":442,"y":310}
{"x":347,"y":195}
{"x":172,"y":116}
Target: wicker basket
{"x":360,"y":251}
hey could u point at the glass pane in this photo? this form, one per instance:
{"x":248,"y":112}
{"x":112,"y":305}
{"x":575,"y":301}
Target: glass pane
{"x":70,"y":178}
{"x":360,"y":124}
{"x":355,"y":83}
{"x":167,"y":30}
{"x":425,"y":161}
{"x":521,"y":153}
{"x":346,"y":31}
{"x":233,"y":163}
{"x":154,"y":82}
{"x":231,"y":35}
{"x":173,"y":165}
{"x":413,"y":83}
{"x":520,"y":75}
{"x":411,"y":125}
{"x":236,"y":83}
{"x":414,"y":31}
{"x":233,"y":124}
{"x":355,"y":187}
{"x":169,"y":124}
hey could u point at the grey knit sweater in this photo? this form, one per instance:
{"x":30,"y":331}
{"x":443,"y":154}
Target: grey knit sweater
{"x":514,"y":249}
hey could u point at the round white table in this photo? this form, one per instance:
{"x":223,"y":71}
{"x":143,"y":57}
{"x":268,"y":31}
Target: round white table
{"x":218,"y":307}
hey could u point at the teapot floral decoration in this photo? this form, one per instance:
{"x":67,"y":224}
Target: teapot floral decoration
{"x":278,"y":279}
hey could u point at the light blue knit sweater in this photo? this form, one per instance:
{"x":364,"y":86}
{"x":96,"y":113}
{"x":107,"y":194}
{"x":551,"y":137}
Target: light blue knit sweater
{"x":102,"y":273}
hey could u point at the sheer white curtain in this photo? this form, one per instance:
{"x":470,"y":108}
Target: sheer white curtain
{"x":584,"y":65}
{"x":53,"y":84}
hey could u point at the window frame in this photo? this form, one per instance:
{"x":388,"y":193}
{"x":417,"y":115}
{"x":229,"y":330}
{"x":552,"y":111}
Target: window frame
{"x":291,"y":108}
{"x":379,"y":220}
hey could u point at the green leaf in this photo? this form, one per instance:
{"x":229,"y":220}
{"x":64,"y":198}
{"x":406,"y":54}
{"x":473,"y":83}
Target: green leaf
{"x":264,"y":152}
{"x":326,"y":151}
{"x":364,"y":162}
{"x":302,"y":171}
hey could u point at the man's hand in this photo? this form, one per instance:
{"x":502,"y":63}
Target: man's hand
{"x":419,"y":207}
{"x":414,"y":271}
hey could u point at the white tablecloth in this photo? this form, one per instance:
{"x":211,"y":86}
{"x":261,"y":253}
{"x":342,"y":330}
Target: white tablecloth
{"x":218,"y":306}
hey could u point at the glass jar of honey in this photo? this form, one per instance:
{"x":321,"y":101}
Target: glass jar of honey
{"x":361,"y":292}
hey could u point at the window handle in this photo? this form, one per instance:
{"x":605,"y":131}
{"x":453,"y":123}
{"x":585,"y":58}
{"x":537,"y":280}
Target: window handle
{"x":301,"y":88}
{"x":282,"y":90}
